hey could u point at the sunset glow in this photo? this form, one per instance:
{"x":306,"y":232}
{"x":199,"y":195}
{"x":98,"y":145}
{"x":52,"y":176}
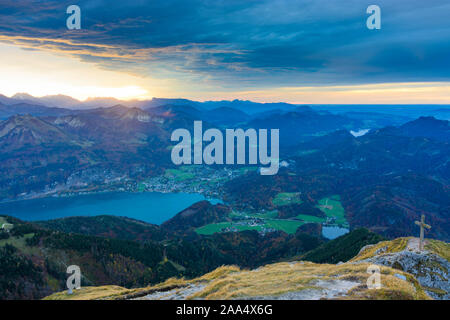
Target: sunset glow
{"x":142,"y":52}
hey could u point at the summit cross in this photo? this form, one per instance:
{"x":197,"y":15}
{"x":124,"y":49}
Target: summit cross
{"x":422,"y":226}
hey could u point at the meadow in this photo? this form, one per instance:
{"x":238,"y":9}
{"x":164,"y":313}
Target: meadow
{"x":268,"y":220}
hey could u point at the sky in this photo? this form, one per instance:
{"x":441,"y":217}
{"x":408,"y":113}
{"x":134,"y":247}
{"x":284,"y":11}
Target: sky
{"x":298,"y":51}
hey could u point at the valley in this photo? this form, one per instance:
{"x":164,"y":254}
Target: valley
{"x":127,"y":149}
{"x":266,"y":221}
{"x":96,"y":188}
{"x":224,"y":150}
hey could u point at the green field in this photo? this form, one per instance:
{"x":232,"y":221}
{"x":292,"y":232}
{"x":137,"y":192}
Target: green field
{"x":285,"y":198}
{"x":261,"y":215}
{"x":266,"y":215}
{"x":288,"y":226}
{"x":310,"y":219}
{"x":217,"y":227}
{"x":332,"y":207}
{"x":20,"y":243}
{"x":180,"y":174}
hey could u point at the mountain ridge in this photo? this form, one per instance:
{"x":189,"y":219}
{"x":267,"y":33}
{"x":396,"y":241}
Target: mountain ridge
{"x":296,"y":280}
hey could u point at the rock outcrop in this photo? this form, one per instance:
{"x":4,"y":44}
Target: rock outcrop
{"x":427,"y":266}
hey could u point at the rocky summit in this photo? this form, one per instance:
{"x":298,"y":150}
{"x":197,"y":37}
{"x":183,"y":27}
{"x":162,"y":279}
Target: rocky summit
{"x":427,"y":266}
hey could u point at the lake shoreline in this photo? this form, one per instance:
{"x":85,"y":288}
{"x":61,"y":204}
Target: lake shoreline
{"x":68,"y":194}
{"x":151,"y":207}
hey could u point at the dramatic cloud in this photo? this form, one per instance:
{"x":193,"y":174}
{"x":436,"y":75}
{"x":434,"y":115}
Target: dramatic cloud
{"x":244,"y":44}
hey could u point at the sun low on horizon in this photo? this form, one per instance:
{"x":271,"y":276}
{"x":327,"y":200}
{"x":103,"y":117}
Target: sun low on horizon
{"x":314,"y":55}
{"x":45,"y":73}
{"x":236,"y":157}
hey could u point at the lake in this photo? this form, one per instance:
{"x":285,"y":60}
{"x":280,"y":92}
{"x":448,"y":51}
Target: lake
{"x":333,"y":232}
{"x":152,"y":207}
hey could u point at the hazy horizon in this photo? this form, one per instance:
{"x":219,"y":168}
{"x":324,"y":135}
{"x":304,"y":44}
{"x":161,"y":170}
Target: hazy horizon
{"x":303,"y":52}
{"x":14,"y":96}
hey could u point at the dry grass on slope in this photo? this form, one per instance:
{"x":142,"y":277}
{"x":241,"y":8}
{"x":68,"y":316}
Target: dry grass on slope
{"x":296,"y":280}
{"x":391,"y":246}
{"x":112,"y":292}
{"x":281,"y":278}
{"x":440,"y":248}
{"x":270,"y":281}
{"x":88,"y":293}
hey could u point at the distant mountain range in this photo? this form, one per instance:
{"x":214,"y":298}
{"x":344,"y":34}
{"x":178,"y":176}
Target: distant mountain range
{"x":129,"y":141}
{"x":397,"y":113}
{"x":386,"y":177}
{"x":62,"y":101}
